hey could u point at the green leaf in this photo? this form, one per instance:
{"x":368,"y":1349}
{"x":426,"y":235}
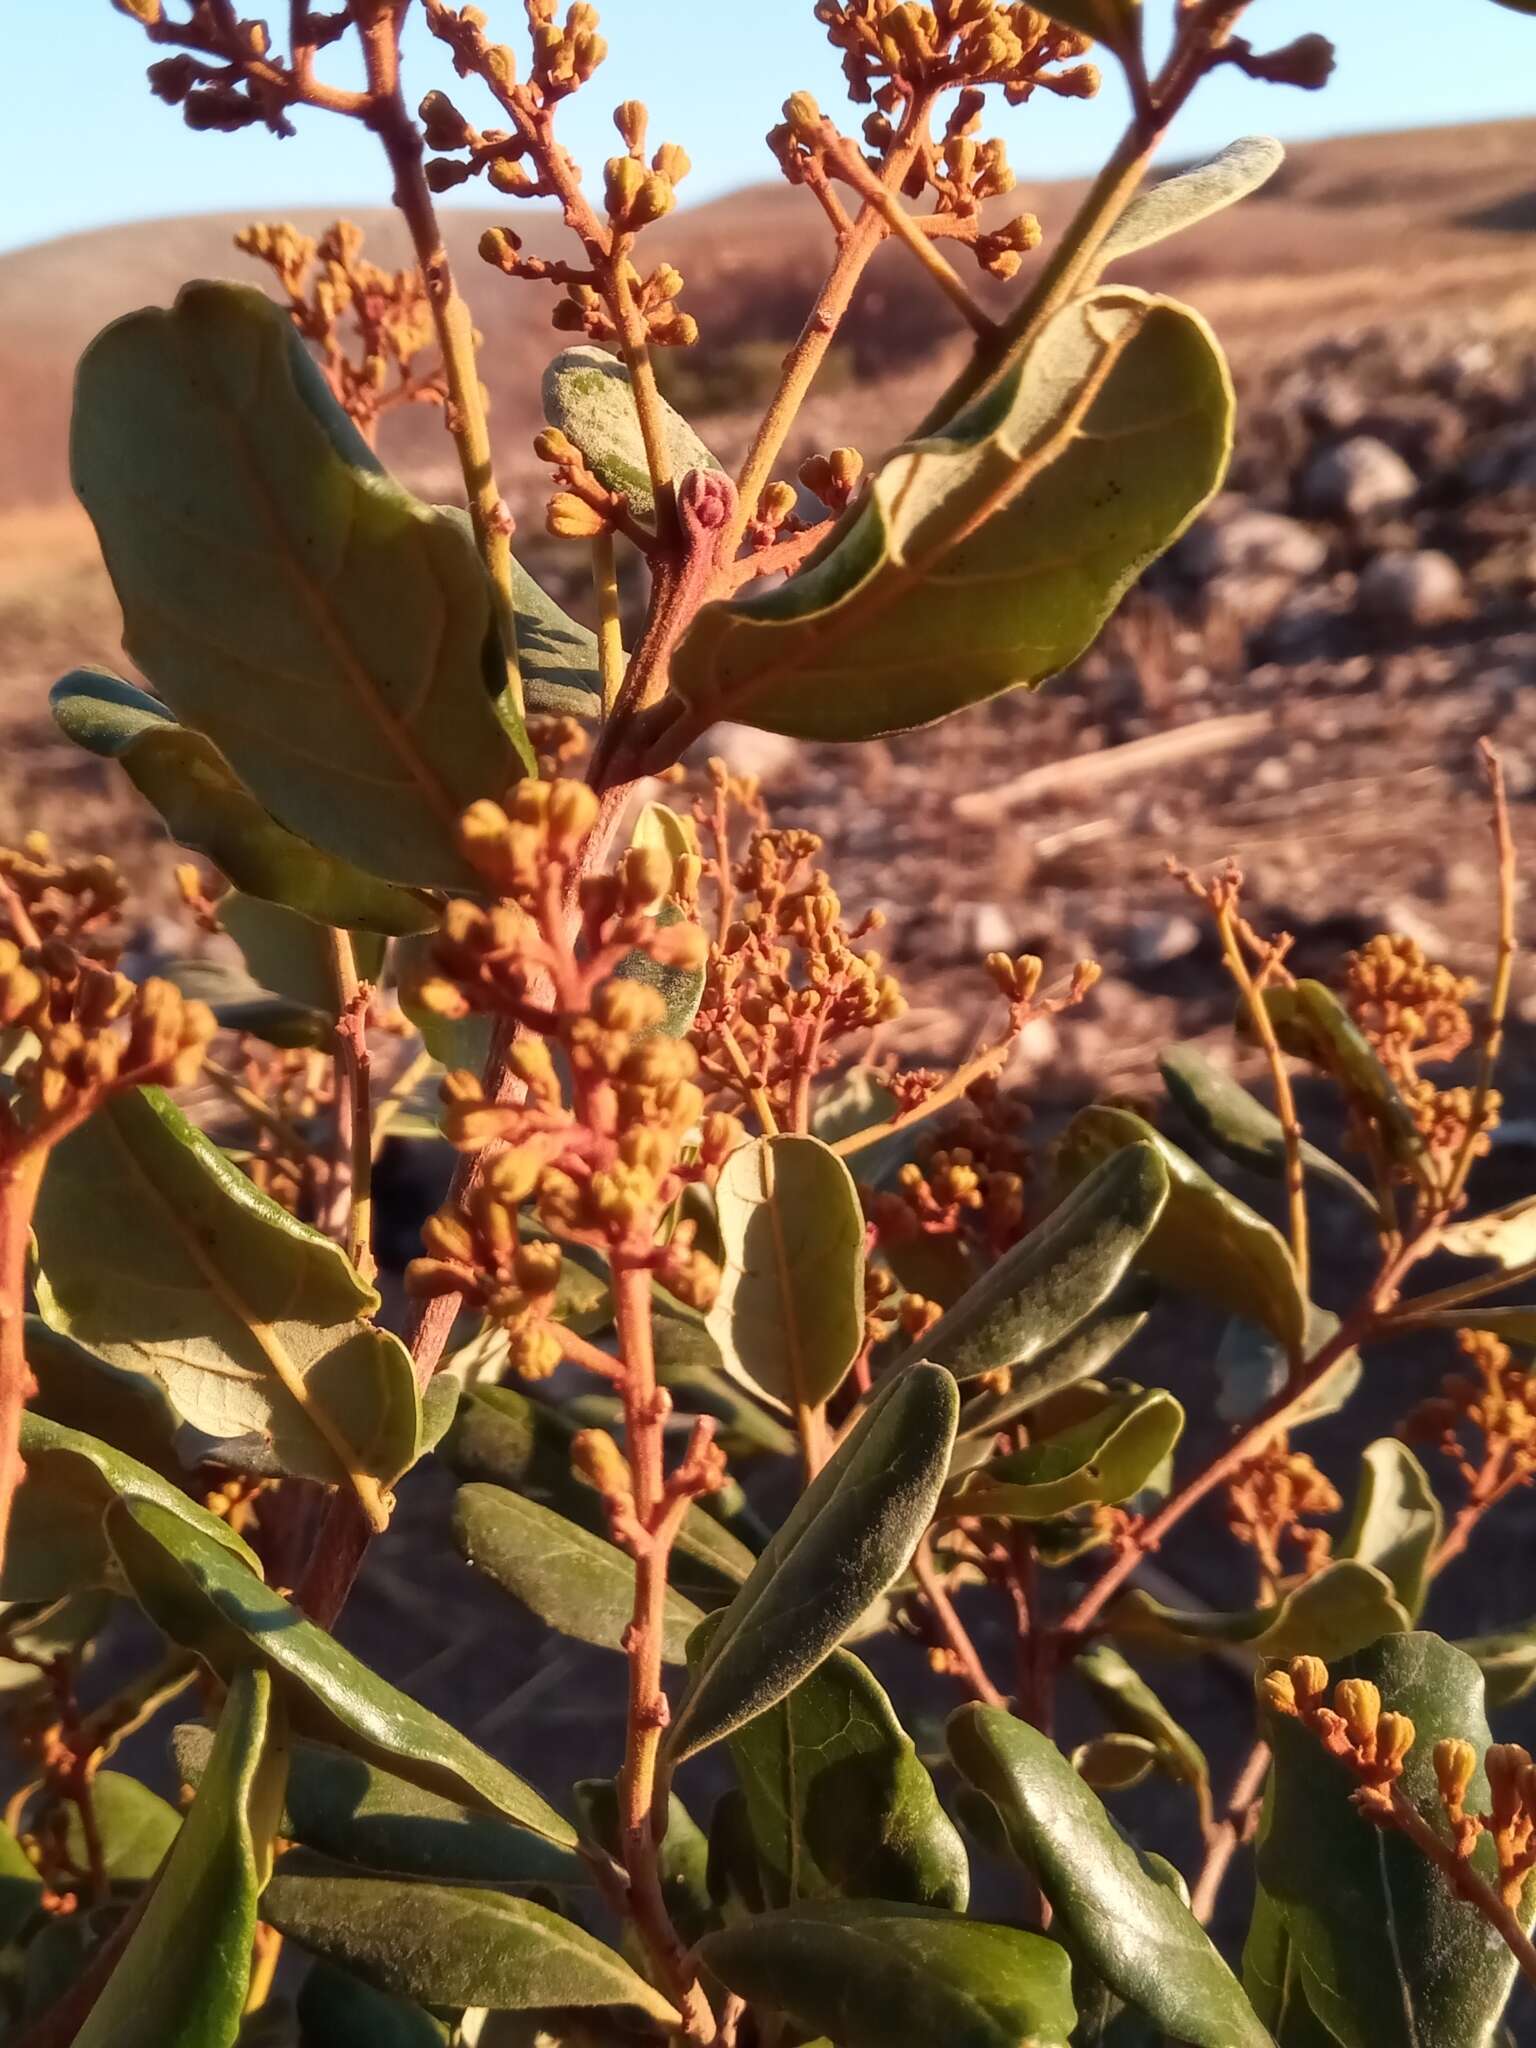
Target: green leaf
{"x":1207,"y":1242}
{"x":682,"y":1855}
{"x":338,"y":2010}
{"x":1396,"y":1522}
{"x":181,"y":1980}
{"x":1176,"y":203}
{"x":1012,"y":533}
{"x":201,"y":1597}
{"x":1507,"y":1660}
{"x":21,"y":1889}
{"x":134,"y":1825}
{"x":837,"y":1802}
{"x":1130,"y":1704}
{"x":587,"y":395}
{"x":1134,"y":1933}
{"x":159,"y":1254}
{"x":1058,"y":1276}
{"x":1081,"y":1355}
{"x":1366,"y":1910}
{"x":355,"y":1812}
{"x":207,"y":808}
{"x":1228,"y":1117}
{"x":333,"y":637}
{"x":514,"y":1440}
{"x":56,"y":1544}
{"x":575,"y":1582}
{"x":291,"y":955}
{"x":240,"y":1003}
{"x":1311,"y":1023}
{"x":789,"y":1317}
{"x":1340,"y":1609}
{"x":688,"y":1366}
{"x":1254,"y":1367}
{"x":77,"y":1389}
{"x":448,"y":1945}
{"x":1272,"y":1980}
{"x":850,"y":1534}
{"x":1114,"y":23}
{"x":1507,"y":1236}
{"x":1115,"y":1763}
{"x":869,"y":1974}
{"x":680,"y":988}
{"x":1107,"y":1457}
{"x":557,"y":656}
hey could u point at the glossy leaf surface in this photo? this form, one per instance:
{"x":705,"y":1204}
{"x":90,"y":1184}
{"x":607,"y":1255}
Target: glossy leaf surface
{"x":1137,"y":1936}
{"x":1396,"y":1522}
{"x":56,"y":1543}
{"x":1366,"y":1910}
{"x":838,"y":1804}
{"x":868,"y":1975}
{"x":355,"y":1812}
{"x":1342,"y":1608}
{"x":181,"y":1981}
{"x":1235,"y":1122}
{"x":200,"y":1596}
{"x":1108,"y":1456}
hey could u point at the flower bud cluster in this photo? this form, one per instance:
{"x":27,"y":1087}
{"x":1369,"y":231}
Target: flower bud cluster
{"x":368,"y":325}
{"x":969,"y":1179}
{"x":834,"y":478}
{"x":83,"y":1029}
{"x":1373,"y":1743}
{"x":1272,"y":1498}
{"x":788,"y":983}
{"x":65,"y":899}
{"x":895,"y":49}
{"x":1483,"y":1419}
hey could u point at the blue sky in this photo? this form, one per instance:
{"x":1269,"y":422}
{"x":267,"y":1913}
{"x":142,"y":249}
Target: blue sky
{"x":714,"y":73}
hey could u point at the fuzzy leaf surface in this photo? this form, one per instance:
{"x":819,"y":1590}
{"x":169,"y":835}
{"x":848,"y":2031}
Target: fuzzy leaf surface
{"x":587,"y":394}
{"x":1012,"y":532}
{"x":1206,"y":1242}
{"x":1057,"y":1277}
{"x":331,"y":635}
{"x":1336,"y":1612}
{"x":576,"y":1582}
{"x":850,"y":1534}
{"x":451,"y":1945}
{"x":1179,"y":202}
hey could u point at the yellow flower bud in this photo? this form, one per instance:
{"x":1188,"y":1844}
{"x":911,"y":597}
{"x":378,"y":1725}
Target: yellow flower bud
{"x":1309,"y":1675}
{"x":1455,"y":1764}
{"x":1358,"y":1704}
{"x":1277,"y":1692}
{"x":568,"y":517}
{"x":1395,"y":1736}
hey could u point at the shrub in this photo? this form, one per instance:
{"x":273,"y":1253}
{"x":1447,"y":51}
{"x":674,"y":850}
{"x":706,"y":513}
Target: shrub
{"x":692,"y":1236}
